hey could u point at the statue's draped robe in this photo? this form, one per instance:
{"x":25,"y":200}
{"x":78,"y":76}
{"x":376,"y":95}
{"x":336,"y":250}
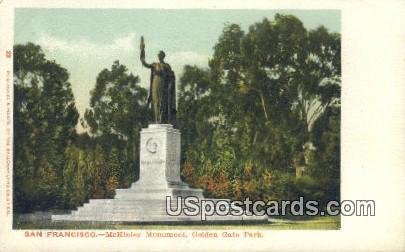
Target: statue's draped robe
{"x":163,"y":93}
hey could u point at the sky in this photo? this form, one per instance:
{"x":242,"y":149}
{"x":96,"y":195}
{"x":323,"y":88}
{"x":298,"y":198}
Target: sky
{"x":86,"y":41}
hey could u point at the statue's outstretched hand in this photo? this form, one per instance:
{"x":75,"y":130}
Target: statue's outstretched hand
{"x":142,"y":55}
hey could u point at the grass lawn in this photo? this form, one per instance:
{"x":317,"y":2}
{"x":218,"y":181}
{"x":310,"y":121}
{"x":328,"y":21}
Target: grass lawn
{"x":315,"y":223}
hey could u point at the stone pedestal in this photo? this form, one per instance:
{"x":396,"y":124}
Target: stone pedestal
{"x":160,"y":156}
{"x":145,"y":200}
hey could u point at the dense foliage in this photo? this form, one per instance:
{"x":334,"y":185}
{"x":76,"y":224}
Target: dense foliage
{"x":44,"y":124}
{"x":267,"y":106}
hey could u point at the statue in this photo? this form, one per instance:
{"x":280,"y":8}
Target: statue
{"x":162,"y":89}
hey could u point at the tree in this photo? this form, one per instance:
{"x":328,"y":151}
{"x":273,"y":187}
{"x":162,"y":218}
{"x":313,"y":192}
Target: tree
{"x":325,"y":163}
{"x":117,"y":113}
{"x":74,"y":186}
{"x":257,"y":102}
{"x":45,"y":117}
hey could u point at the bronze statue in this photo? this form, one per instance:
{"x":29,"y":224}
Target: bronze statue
{"x":162,"y":89}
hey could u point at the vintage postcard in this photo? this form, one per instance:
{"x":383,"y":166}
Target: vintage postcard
{"x":195,"y":126}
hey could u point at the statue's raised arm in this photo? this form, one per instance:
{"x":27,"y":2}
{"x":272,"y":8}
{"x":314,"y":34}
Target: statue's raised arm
{"x":142,"y":47}
{"x":162,"y":88}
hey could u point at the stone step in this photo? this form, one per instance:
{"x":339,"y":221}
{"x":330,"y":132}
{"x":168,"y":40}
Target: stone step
{"x":129,"y":209}
{"x":160,"y":218}
{"x":145,"y":206}
{"x":156,"y":196}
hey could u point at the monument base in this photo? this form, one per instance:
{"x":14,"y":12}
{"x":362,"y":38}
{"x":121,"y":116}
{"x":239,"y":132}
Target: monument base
{"x":145,"y":200}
